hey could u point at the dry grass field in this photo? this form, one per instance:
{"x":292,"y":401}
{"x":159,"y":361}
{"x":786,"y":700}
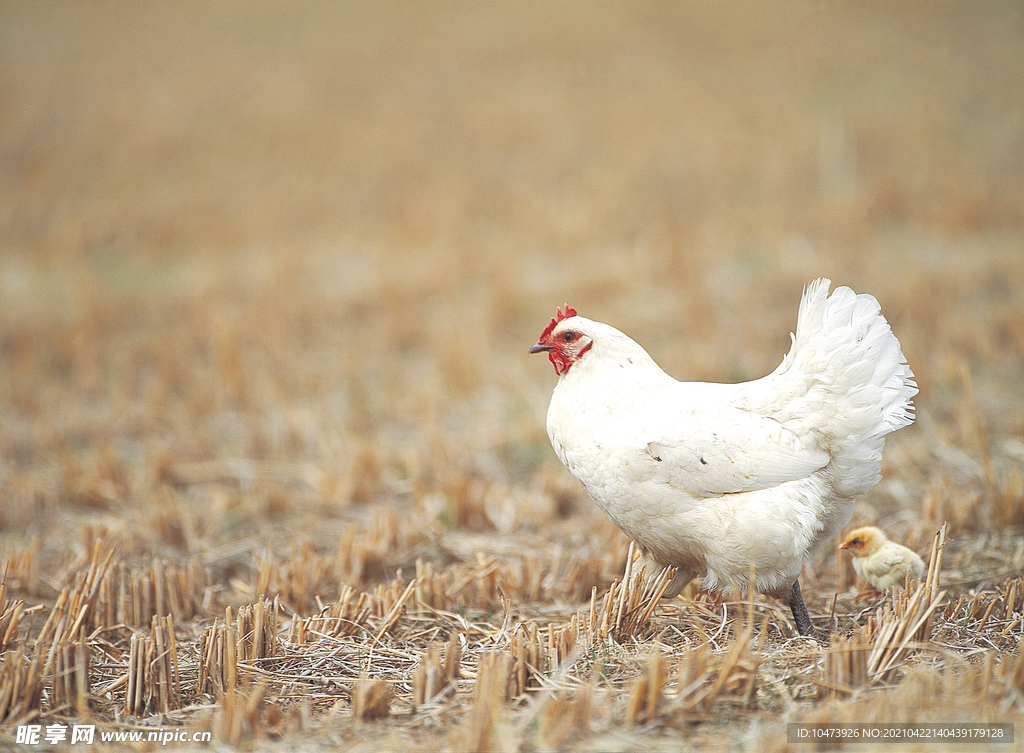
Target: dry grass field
{"x":272,"y":451}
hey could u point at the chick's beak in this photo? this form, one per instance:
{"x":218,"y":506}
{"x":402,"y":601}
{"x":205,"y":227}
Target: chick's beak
{"x":845,"y":545}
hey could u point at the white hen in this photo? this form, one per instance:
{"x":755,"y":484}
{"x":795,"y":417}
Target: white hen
{"x":713,"y":478}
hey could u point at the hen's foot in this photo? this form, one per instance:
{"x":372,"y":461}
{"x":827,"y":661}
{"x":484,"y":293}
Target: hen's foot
{"x":803,"y":620}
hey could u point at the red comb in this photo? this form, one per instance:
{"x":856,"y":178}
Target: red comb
{"x":569,"y":311}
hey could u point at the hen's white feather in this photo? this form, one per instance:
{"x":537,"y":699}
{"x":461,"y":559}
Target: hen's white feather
{"x":714,"y":478}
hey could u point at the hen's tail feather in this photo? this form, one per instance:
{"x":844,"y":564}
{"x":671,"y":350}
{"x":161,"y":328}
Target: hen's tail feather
{"x":846,"y":381}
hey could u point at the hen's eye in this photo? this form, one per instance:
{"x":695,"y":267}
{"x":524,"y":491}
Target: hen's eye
{"x":568,"y":336}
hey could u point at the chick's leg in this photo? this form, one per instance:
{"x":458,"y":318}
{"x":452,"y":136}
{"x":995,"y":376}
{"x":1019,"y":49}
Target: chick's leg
{"x":802,"y":618}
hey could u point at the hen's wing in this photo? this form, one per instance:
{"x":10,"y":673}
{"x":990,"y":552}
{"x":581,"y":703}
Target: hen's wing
{"x":718,"y":449}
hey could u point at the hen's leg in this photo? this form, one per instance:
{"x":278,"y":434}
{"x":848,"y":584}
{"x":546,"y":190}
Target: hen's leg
{"x":802,"y":618}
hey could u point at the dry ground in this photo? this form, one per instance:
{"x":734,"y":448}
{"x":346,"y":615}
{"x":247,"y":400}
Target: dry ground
{"x":272,"y":456}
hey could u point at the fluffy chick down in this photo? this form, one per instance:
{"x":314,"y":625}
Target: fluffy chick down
{"x":881,"y":562}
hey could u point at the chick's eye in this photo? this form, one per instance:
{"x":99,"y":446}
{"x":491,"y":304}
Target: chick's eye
{"x":568,"y":336}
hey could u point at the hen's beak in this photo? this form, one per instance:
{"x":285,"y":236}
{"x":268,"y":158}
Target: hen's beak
{"x":540,"y":346}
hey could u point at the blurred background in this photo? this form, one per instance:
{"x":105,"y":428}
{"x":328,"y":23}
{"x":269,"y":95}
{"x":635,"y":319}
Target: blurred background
{"x":327,"y":233}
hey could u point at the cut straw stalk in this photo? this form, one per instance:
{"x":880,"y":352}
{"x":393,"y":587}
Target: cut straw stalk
{"x":11,"y":614}
{"x":395,"y":611}
{"x":154,"y":686}
{"x":630,"y":603}
{"x":229,"y":649}
{"x":845,"y":666}
{"x":347,"y":616}
{"x":565,"y":713}
{"x":371,"y":699}
{"x":646,"y":690}
{"x":909,"y":622}
{"x":490,"y":694}
{"x":434,"y":680}
{"x":21,"y":686}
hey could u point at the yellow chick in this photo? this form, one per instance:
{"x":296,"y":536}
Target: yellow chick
{"x":881,"y":562}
